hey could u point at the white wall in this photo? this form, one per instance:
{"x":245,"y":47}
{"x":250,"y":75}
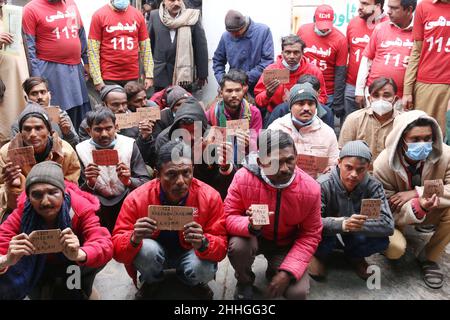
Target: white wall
{"x":87,"y":9}
{"x":276,"y":14}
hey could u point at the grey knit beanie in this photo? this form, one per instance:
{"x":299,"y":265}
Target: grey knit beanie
{"x":234,"y":21}
{"x":304,"y":91}
{"x":34,"y":110}
{"x":45,"y":172}
{"x":110,"y":88}
{"x":357,"y":148}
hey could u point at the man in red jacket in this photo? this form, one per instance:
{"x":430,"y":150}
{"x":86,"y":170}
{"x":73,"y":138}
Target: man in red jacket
{"x":294,"y":230}
{"x":270,"y":95}
{"x":193,"y":251}
{"x":52,"y":203}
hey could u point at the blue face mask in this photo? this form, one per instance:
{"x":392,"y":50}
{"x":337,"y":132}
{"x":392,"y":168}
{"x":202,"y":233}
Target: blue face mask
{"x":97,"y":146}
{"x":121,"y":4}
{"x":419,"y":151}
{"x":301,"y":123}
{"x":320,"y":33}
{"x":290,"y":68}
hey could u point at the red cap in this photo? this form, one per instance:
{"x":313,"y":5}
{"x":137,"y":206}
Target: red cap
{"x":324,"y":17}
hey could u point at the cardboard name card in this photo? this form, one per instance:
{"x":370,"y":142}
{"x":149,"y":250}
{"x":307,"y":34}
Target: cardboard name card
{"x":371,"y":208}
{"x":46,"y":241}
{"x":171,"y":218}
{"x":54,"y":113}
{"x":281,"y":75}
{"x":106,"y":157}
{"x":216,"y":135}
{"x":151,"y":113}
{"x":233,"y":126}
{"x":312,"y":164}
{"x":132,"y":119}
{"x":260,"y":214}
{"x":22,"y":156}
{"x":125,"y":120}
{"x":433,"y":187}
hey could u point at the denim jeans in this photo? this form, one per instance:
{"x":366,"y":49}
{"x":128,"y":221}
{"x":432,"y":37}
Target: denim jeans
{"x":349,"y":101}
{"x":152,"y":259}
{"x":329,"y":117}
{"x":355,"y":245}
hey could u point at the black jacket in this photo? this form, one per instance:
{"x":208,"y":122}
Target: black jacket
{"x":164,"y":51}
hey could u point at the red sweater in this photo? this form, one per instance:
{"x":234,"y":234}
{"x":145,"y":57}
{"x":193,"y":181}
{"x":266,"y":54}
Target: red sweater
{"x":298,"y":222}
{"x":283,"y":89}
{"x":95,"y":240}
{"x":210,"y":215}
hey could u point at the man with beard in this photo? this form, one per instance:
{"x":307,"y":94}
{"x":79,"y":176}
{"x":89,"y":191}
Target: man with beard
{"x":359,"y":30}
{"x":34,"y":130}
{"x":194,"y":250}
{"x":310,"y":134}
{"x":56,"y":43}
{"x":233,"y":106}
{"x":36,"y":90}
{"x":110,"y":184}
{"x":270,"y":95}
{"x":178,"y":45}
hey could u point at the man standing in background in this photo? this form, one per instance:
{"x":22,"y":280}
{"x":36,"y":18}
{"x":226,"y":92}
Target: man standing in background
{"x":56,"y":42}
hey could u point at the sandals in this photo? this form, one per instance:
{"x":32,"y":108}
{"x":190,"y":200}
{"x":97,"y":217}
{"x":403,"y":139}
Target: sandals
{"x":433,"y":276}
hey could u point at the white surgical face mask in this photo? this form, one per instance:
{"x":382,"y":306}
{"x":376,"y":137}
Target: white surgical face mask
{"x":381,"y":107}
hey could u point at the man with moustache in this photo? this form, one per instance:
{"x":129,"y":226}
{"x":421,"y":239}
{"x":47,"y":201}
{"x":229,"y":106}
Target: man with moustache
{"x":389,"y":49}
{"x":179,"y":46}
{"x":36,"y":90}
{"x":359,"y":30}
{"x":194,"y":250}
{"x":49,"y":202}
{"x":57,"y":50}
{"x":34,"y":130}
{"x":310,"y":134}
{"x":110,"y":184}
{"x":233,"y":106}
{"x":342,"y":192}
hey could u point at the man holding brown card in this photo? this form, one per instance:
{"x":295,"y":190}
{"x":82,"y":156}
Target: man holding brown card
{"x":112,"y":165}
{"x":410,"y":167}
{"x":273,"y":184}
{"x":35,"y":142}
{"x":354,"y":207}
{"x":313,"y":138}
{"x":53,"y":230}
{"x":145,"y":242}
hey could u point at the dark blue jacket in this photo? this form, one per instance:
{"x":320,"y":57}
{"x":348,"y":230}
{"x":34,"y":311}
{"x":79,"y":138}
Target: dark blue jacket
{"x":251,"y":53}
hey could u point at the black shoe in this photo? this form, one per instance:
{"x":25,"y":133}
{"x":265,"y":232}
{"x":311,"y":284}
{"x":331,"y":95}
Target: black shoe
{"x":243,"y":292}
{"x":148,"y":291}
{"x":202,"y":292}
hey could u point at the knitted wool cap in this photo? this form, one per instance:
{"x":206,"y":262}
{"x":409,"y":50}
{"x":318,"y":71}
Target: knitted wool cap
{"x":234,"y":21}
{"x":45,"y":172}
{"x":357,"y":148}
{"x":304,"y":91}
{"x":110,"y":88}
{"x":32,"y":109}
